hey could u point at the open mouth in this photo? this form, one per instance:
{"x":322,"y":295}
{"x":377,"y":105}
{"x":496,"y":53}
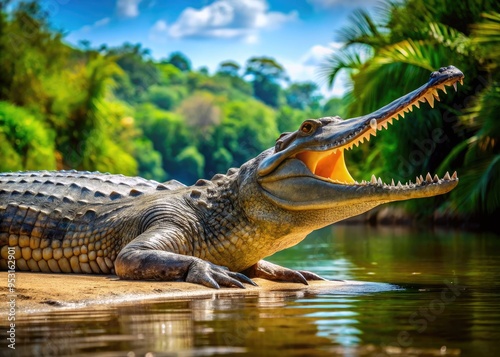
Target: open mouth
{"x":329,"y":165}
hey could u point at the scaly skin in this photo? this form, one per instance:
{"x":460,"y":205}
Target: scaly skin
{"x":215,"y":232}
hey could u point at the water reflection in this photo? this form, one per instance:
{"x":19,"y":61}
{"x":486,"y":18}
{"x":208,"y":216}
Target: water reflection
{"x":443,"y":300}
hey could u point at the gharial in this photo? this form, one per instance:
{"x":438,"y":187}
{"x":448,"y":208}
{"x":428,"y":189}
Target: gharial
{"x":215,"y":232}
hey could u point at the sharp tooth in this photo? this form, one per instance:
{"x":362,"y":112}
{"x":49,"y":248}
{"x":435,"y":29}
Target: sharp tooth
{"x":417,"y":104}
{"x":421,"y":178}
{"x":399,"y":184}
{"x":389,"y":121}
{"x":436,"y":95}
{"x":430,"y":99}
{"x":334,"y":151}
{"x":461,"y":80}
{"x":384,"y":125}
{"x":363,"y":182}
{"x":410,"y":108}
{"x":443,"y":88}
{"x":435,"y":179}
{"x":373,"y":124}
{"x":428,"y":178}
{"x":374,"y":133}
{"x":379,"y":181}
{"x":455,"y":86}
{"x":356,"y":143}
{"x":454,"y":176}
{"x":417,"y":181}
{"x":446,"y":176}
{"x":402,"y":113}
{"x":373,"y":179}
{"x":392,"y":182}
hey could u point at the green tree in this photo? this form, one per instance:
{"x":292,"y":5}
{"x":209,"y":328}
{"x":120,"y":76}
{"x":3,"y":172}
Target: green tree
{"x":179,"y":60}
{"x":149,"y":160}
{"x":30,"y":52}
{"x":201,"y":113}
{"x":303,"y":95}
{"x":335,"y":107}
{"x":142,"y":73}
{"x":229,"y":68}
{"x":26,"y":143}
{"x":165,"y":97}
{"x":266,"y":74}
{"x":289,"y":119}
{"x":192,"y":163}
{"x":168,"y":133}
{"x":248,"y":128}
{"x":170,"y":75}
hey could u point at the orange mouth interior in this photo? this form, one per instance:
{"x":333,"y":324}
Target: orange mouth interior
{"x":331,"y":165}
{"x":327,"y":164}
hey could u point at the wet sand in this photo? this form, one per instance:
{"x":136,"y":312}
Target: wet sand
{"x":39,"y":292}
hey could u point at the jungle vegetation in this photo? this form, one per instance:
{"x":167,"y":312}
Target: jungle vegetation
{"x":391,"y":52}
{"x":118,"y":110}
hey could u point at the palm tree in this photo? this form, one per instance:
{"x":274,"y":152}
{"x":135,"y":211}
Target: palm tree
{"x":395,"y":54}
{"x":479,"y":190}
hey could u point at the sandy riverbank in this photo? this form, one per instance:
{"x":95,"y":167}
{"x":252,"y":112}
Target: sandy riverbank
{"x":37,"y":292}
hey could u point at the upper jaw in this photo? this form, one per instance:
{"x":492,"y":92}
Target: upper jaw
{"x":334,"y":134}
{"x":321,"y":153}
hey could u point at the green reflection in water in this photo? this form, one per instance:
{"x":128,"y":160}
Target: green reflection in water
{"x":426,"y":293}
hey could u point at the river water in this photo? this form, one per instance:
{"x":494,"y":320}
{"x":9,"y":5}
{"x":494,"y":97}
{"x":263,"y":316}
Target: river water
{"x":418,"y":293}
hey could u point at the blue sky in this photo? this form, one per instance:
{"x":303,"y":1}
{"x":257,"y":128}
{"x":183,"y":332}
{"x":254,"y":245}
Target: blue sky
{"x":297,"y":33}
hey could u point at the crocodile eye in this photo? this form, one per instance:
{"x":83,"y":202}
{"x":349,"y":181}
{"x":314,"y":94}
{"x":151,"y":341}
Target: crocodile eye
{"x":307,"y":128}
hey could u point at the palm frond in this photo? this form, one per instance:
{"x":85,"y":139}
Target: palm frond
{"x":344,"y":59}
{"x":450,"y":37}
{"x":479,"y":188}
{"x":487,"y":34}
{"x":416,"y":53}
{"x":362,"y":29}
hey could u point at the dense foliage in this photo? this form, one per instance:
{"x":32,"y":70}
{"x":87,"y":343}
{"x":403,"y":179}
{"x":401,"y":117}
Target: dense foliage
{"x":117,"y":110}
{"x":392,"y":53}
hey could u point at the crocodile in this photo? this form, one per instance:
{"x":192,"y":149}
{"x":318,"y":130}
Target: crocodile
{"x":216,"y":232}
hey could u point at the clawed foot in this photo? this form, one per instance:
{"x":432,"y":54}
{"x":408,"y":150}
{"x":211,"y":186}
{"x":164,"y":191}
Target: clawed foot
{"x":275,"y":272}
{"x":215,"y":276}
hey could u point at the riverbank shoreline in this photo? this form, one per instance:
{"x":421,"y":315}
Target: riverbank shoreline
{"x":397,"y":215}
{"x":41,"y":292}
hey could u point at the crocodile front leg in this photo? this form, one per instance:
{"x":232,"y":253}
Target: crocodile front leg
{"x":148,"y":257}
{"x":270,"y":271}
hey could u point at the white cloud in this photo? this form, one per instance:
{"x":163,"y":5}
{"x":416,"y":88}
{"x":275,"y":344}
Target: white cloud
{"x":308,"y":68}
{"x":325,"y":4}
{"x":159,"y":31}
{"x":128,"y":8}
{"x":226,"y":19}
{"x":98,"y":23}
{"x":317,"y":54}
